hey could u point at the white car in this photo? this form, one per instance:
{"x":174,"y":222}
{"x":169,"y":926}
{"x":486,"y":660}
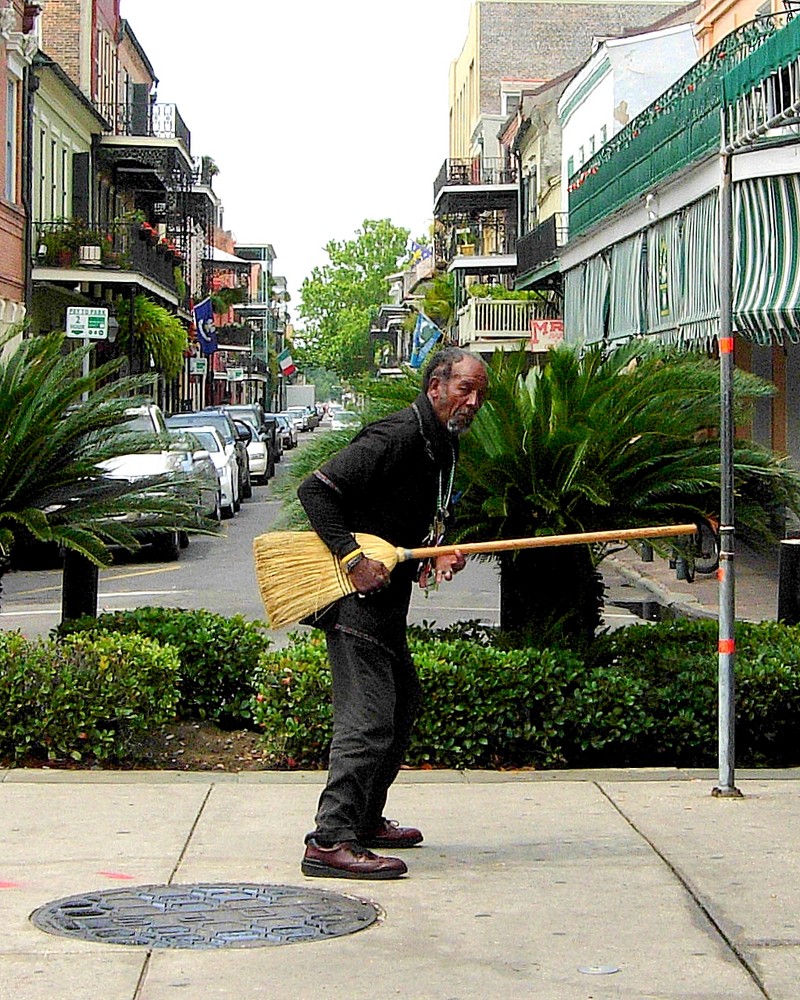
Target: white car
{"x":344,"y":420}
{"x":296,"y":419}
{"x":257,"y":450}
{"x":162,"y":460}
{"x":209,"y":439}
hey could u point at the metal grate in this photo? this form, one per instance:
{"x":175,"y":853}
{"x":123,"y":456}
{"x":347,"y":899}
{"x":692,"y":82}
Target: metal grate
{"x":205,"y":915}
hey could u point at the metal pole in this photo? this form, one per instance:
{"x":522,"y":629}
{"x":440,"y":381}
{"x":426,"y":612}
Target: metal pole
{"x":727,"y":605}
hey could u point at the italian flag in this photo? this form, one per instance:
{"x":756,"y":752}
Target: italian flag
{"x":287,"y":366}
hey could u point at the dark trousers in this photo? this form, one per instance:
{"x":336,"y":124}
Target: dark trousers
{"x":376,"y":697}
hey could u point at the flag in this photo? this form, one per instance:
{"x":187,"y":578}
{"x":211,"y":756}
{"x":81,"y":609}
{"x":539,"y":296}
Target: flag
{"x":426,"y":333}
{"x":203,"y":314}
{"x":287,"y":366}
{"x":419,"y":252}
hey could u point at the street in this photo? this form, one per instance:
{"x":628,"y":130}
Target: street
{"x":217,"y":573}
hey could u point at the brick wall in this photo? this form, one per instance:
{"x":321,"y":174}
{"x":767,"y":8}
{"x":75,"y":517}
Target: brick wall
{"x":12,"y":226}
{"x":541,"y":40}
{"x":61,"y":32}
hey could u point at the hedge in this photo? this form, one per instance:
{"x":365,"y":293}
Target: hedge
{"x":645,"y":695}
{"x":218,"y":656}
{"x":85,"y":696}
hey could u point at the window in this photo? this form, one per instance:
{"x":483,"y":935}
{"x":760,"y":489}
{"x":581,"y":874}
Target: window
{"x":510,"y":103}
{"x":53,"y":179}
{"x":64,"y":182}
{"x":570,"y":166}
{"x":581,"y":156}
{"x":591,"y":146}
{"x":603,"y":135}
{"x":10,"y":190}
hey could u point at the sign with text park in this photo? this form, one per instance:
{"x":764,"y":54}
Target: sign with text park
{"x":87,"y":322}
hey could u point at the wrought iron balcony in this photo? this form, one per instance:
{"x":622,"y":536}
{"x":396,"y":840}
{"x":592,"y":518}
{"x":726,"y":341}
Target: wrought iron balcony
{"x":153,"y":121}
{"x":488,"y":238}
{"x":541,"y":245}
{"x":681,"y":127}
{"x":133,"y":248}
{"x":477,"y":183}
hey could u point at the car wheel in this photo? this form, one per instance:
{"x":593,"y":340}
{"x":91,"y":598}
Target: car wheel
{"x":166,"y":546}
{"x":183,"y":539}
{"x":217,"y":512}
{"x":247,"y":485}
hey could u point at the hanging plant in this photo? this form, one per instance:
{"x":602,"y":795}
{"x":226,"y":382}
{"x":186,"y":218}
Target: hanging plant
{"x":163,"y":335}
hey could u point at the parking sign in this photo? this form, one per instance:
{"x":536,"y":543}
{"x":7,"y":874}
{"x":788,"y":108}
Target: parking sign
{"x":87,"y":322}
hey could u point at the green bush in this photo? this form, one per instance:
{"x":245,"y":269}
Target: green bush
{"x":84,"y":696}
{"x":218,"y":656}
{"x":643,"y":696}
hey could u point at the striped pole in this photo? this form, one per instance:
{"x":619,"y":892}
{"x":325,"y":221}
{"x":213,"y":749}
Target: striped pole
{"x":727,"y":605}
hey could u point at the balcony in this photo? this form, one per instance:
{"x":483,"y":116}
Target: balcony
{"x":680,"y":128}
{"x":488,"y":245}
{"x":540,"y":247}
{"x":474,"y":185}
{"x":150,"y":148}
{"x":121,"y":253}
{"x":486,"y":325}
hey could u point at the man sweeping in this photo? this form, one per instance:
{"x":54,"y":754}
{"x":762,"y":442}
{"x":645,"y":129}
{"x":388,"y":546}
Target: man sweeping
{"x":394,"y":480}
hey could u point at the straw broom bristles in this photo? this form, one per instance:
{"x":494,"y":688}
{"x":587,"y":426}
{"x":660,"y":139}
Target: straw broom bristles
{"x":298,"y":575}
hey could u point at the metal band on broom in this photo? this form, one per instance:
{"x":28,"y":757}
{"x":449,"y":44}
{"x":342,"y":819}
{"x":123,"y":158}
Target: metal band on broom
{"x":298,"y":575}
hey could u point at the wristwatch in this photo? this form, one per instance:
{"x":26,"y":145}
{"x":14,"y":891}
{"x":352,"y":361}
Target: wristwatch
{"x":351,"y":564}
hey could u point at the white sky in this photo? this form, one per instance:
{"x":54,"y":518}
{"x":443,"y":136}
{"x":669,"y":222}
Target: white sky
{"x":319,"y":113}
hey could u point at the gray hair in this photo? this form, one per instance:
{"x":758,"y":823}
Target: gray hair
{"x":441,"y":364}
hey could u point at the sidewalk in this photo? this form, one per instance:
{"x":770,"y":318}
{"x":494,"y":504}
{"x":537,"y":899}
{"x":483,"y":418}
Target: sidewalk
{"x":756,"y":585}
{"x":604,"y":885}
{"x":557,"y":886}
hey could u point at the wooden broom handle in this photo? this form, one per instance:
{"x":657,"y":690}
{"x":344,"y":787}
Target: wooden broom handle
{"x":544,"y":541}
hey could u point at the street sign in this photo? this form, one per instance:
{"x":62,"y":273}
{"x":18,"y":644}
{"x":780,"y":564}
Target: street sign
{"x":198,"y":366}
{"x":87,"y":322}
{"x":235,"y":374}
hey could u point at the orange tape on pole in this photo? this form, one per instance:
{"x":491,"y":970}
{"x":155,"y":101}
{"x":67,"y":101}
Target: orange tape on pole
{"x":727,"y":645}
{"x":726,"y":345}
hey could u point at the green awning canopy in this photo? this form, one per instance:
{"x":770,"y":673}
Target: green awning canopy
{"x":626,"y":299}
{"x":766,"y":258}
{"x":586,"y":299}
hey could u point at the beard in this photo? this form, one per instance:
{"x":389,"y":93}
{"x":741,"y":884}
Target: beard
{"x":460,"y":423}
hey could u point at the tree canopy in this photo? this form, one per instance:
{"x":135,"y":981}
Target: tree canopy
{"x":340,"y":299}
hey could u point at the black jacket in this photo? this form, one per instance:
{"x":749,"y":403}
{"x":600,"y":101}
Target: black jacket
{"x":386,"y":482}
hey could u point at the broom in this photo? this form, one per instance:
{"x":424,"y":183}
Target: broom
{"x":298,"y":575}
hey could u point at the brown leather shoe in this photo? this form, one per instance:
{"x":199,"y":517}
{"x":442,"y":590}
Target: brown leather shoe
{"x":348,"y":860}
{"x":390,"y":834}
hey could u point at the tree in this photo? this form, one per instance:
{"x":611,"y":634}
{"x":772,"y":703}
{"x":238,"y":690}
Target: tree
{"x":340,"y":299}
{"x":51,"y":443}
{"x":599,"y":442}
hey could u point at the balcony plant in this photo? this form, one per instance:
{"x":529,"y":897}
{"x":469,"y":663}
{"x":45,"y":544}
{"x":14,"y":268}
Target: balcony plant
{"x":160,"y":333}
{"x":60,"y":243}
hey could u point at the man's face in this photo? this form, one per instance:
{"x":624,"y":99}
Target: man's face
{"x":456,"y":401}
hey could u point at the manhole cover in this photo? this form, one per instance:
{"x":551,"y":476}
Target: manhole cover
{"x":205,"y":915}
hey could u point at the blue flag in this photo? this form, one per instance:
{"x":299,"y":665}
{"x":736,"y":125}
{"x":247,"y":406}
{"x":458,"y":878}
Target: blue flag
{"x":203,"y":314}
{"x":426,"y":333}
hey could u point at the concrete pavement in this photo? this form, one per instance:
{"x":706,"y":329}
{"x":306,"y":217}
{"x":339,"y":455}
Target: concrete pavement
{"x":554,"y":885}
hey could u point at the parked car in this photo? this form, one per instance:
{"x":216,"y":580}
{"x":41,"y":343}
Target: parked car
{"x":287,"y":429}
{"x":159,"y":460}
{"x":258,"y":452}
{"x":208,"y":438}
{"x":344,"y":420}
{"x":199,"y":465}
{"x":301,"y":412}
{"x":255,"y":414}
{"x":232,"y":439}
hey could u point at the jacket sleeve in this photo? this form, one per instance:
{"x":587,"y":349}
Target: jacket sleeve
{"x":330,"y":493}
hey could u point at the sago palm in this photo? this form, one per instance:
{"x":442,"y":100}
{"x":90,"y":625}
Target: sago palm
{"x":56,"y":426}
{"x":599,"y":442}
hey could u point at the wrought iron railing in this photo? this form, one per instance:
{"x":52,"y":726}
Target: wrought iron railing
{"x":487,"y":238}
{"x":682,"y":126}
{"x":154,"y":121}
{"x":479,"y":170}
{"x":119,"y":246}
{"x":541,"y":245}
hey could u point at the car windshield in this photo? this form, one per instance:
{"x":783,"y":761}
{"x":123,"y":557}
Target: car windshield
{"x":218,"y":420}
{"x":206,"y":440}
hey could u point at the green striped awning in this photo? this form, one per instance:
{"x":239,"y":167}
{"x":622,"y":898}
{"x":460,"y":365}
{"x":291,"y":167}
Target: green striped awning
{"x":586,"y":294}
{"x":766,"y":259}
{"x":625,"y":297}
{"x":700,"y":310}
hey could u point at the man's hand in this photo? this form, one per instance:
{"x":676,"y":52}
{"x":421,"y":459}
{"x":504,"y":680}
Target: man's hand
{"x":369,"y":575}
{"x":447,"y":566}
